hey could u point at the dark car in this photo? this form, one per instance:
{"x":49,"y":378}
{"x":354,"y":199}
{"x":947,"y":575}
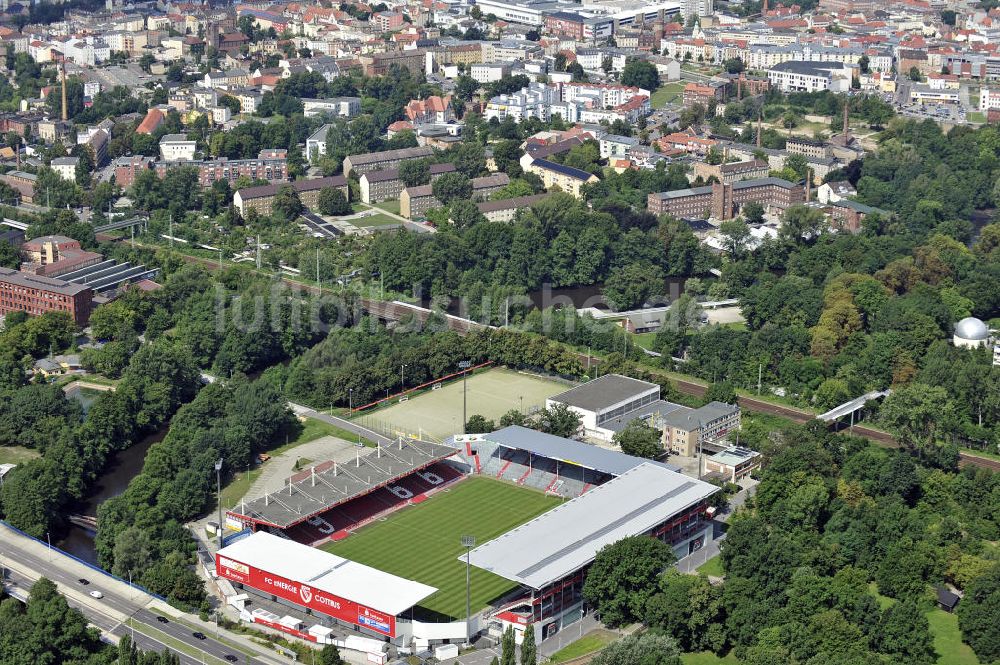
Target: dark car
{"x":199,"y":636}
{"x":231,"y":658}
{"x":83,"y":581}
{"x":162,"y":619}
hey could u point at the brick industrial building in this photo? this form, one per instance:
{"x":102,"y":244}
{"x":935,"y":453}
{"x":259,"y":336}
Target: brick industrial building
{"x":35,"y":295}
{"x":723,"y":201}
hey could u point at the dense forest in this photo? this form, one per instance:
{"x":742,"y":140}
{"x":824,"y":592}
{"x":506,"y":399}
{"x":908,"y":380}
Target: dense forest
{"x":833,"y":561}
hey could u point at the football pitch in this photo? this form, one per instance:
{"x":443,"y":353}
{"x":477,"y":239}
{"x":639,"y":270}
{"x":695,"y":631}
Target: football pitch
{"x":423,"y":542}
{"x":438,"y":413}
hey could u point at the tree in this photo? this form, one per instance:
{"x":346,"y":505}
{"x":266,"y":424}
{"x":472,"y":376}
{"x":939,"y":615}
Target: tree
{"x":466,"y":87}
{"x":979,"y":614}
{"x":512,"y":417}
{"x":465,"y":213}
{"x":10,"y":257}
{"x":641,"y":74}
{"x":287,"y":204}
{"x":451,"y":186}
{"x":330,"y":655}
{"x":632,"y":285}
{"x":722,"y":391}
{"x":478,"y":424}
{"x":508,"y":647}
{"x":529,"y":653}
{"x":736,"y":235}
{"x":734,"y":65}
{"x":559,"y":420}
{"x":414,"y":172}
{"x":333,"y":202}
{"x":918,"y":414}
{"x":915,"y":74}
{"x":948,"y":16}
{"x":647,"y":648}
{"x":864,"y":64}
{"x":753,"y":212}
{"x":623,"y":577}
{"x":639,"y":439}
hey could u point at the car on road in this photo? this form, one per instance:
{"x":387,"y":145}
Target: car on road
{"x":198,"y":635}
{"x":162,"y":619}
{"x":96,"y":594}
{"x":84,"y":581}
{"x":231,"y":658}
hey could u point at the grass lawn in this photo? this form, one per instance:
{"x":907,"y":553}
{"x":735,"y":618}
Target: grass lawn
{"x":438,"y":413}
{"x":976,"y":116}
{"x":666,"y":94}
{"x":16,"y":454}
{"x":948,"y":640}
{"x":376,"y":220}
{"x":389,"y":206}
{"x":587,"y":644}
{"x":644,"y":340}
{"x":423,"y":542}
{"x":712,"y":567}
{"x":707,"y":658}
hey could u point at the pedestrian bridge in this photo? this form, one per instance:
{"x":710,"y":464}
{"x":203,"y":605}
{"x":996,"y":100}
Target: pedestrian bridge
{"x":852,"y":406}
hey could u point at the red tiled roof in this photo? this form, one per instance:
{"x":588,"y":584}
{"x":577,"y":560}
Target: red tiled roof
{"x":154,"y":118}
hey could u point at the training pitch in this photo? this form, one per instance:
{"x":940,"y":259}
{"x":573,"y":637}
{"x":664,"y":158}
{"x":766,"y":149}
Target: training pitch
{"x":438,"y":413}
{"x":423,"y":542}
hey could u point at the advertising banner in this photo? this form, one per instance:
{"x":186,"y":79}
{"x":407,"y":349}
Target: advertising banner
{"x":306,"y":596}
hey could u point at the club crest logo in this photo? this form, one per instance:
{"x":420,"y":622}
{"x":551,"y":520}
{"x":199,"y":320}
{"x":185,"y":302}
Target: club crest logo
{"x":306,"y":594}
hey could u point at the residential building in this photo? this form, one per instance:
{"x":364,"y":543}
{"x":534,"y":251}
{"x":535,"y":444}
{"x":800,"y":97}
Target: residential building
{"x":567,"y":178}
{"x":316,"y":143}
{"x":126,"y":169}
{"x":261,"y":199}
{"x":36,"y":295}
{"x":685,"y":429}
{"x":378,"y":186}
{"x":704,"y":93}
{"x":375,"y":161}
{"x":341,"y":107}
{"x":488,"y":72}
{"x":723,"y":201}
{"x":613,"y":145}
{"x":177,"y":147}
{"x":434,"y":109}
{"x":65,"y":167}
{"x":831,"y":192}
{"x":271,"y":164}
{"x":808,"y":147}
{"x":414,"y":202}
{"x":800,"y":76}
{"x":377,"y":64}
{"x":505,"y":210}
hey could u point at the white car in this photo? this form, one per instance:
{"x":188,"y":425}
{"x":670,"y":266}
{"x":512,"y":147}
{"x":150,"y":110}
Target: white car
{"x":96,"y":594}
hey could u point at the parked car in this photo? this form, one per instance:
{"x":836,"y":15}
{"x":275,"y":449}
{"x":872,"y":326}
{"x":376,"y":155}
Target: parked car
{"x":96,"y":594}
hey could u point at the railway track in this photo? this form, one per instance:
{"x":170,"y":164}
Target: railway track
{"x":798,"y":416}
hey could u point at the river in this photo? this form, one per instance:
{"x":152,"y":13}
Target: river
{"x":119,"y":472}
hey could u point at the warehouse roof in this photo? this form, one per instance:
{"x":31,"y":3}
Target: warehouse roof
{"x":603,"y":392}
{"x":568,"y":537}
{"x":321,"y":570}
{"x":30,"y":281}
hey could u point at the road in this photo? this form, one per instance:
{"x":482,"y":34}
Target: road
{"x":364,"y":432}
{"x":28,"y":560}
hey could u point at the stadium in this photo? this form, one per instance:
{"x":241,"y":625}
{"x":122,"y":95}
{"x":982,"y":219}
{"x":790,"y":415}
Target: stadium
{"x":374,"y":548}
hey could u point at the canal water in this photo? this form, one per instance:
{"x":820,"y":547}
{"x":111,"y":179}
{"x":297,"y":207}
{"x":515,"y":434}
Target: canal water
{"x":120,"y":470}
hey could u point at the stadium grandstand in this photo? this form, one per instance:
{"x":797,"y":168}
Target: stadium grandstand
{"x":325,"y":500}
{"x":559,"y":466}
{"x":549,"y":555}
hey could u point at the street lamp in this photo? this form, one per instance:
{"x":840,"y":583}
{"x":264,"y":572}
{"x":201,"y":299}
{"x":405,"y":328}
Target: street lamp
{"x":350,"y":396}
{"x":218,"y":487}
{"x":468,"y":542}
{"x":401,"y":384}
{"x":464,"y":366}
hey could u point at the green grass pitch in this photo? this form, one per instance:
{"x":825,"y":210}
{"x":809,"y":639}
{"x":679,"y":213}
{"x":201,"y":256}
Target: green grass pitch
{"x":423,"y":542}
{"x":438,"y":413}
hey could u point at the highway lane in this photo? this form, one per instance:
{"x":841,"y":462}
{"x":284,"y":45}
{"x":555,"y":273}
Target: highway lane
{"x":115,"y":605}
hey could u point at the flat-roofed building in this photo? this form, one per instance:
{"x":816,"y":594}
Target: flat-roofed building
{"x":36,"y":295}
{"x":723,"y":201}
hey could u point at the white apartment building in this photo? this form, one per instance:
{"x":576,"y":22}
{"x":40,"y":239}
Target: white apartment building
{"x":799,"y":76}
{"x":65,"y":167}
{"x":176,"y":147}
{"x":488,"y":72}
{"x":989,"y":99}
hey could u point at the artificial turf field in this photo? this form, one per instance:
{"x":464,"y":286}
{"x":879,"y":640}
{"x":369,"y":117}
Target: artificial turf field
{"x":438,"y":413}
{"x":423,"y":542}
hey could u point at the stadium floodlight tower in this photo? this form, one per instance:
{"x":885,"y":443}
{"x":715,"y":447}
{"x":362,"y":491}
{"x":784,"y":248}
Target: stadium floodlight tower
{"x":464,"y":366}
{"x":218,"y":487}
{"x":468,"y":542}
